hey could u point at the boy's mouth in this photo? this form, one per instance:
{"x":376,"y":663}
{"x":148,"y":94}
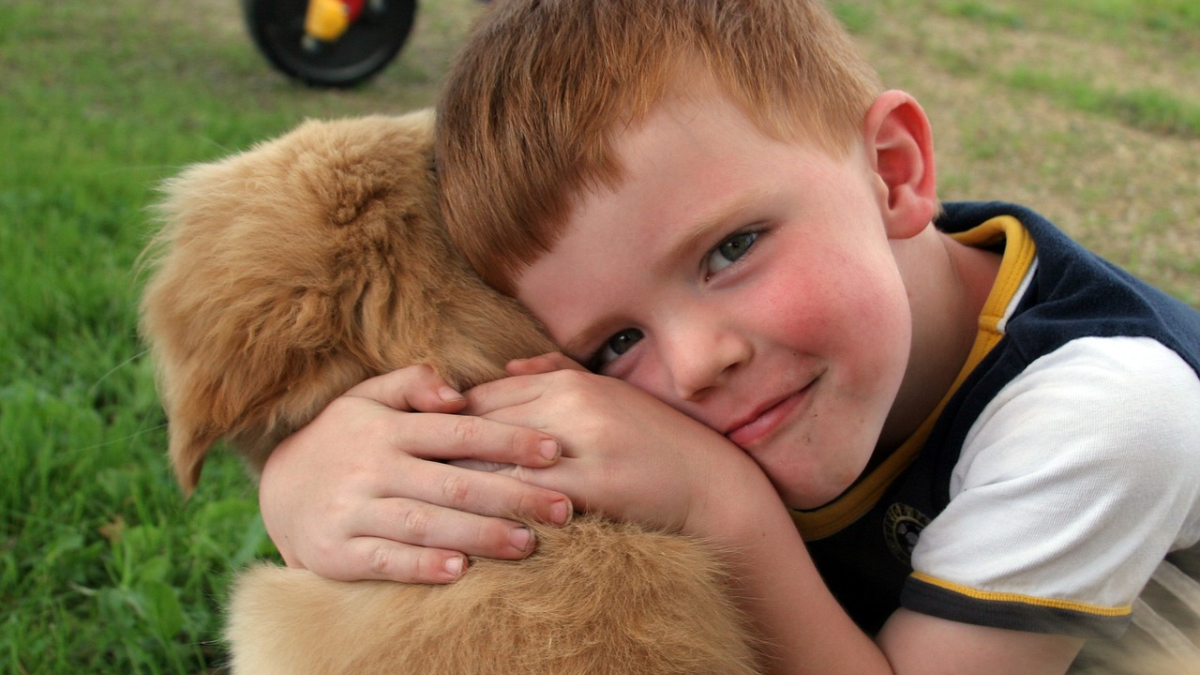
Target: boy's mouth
{"x":764,"y":420}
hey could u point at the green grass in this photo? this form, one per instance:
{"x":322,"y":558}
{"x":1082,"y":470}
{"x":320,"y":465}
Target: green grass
{"x":1153,"y":110}
{"x":105,"y":569}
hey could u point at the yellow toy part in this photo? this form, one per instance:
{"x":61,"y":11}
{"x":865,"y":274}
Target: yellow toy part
{"x":326,"y":20}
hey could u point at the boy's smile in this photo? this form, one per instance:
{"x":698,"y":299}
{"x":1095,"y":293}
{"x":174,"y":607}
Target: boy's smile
{"x":748,"y":282}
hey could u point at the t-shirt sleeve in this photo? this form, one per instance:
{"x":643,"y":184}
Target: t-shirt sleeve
{"x":1073,"y":484}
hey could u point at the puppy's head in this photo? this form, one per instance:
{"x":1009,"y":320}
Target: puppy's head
{"x":284,"y":275}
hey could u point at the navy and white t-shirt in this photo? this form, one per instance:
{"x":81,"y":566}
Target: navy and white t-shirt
{"x":1056,"y":488}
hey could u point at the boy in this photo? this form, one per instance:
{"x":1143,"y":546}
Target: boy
{"x":952,"y":449}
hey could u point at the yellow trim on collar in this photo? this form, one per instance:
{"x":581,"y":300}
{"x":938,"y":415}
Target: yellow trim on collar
{"x":855,"y":502}
{"x":1033,"y":600}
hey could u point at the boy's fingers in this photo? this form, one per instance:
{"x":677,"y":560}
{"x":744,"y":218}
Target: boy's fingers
{"x":517,"y":390}
{"x":431,"y":537}
{"x":425,"y":525}
{"x":465,"y":496}
{"x":375,"y":558}
{"x":529,"y":380}
{"x":416,"y":388}
{"x":445,"y":437}
{"x":544,"y":363}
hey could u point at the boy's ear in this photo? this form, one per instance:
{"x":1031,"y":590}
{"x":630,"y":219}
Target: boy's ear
{"x":899,"y":144}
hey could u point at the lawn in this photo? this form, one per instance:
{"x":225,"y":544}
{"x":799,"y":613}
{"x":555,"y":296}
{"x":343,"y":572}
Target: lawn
{"x":1087,"y":110}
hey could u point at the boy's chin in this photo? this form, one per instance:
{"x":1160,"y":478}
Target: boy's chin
{"x":806,"y":488}
{"x":807,"y":497}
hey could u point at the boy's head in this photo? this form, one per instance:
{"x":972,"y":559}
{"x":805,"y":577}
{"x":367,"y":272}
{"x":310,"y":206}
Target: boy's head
{"x":527,"y":120}
{"x":731,"y":206}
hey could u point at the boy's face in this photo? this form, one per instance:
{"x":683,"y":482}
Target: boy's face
{"x":747,"y":282}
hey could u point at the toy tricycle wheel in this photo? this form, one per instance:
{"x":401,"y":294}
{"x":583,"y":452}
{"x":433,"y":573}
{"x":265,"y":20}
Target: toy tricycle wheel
{"x":370,"y":43}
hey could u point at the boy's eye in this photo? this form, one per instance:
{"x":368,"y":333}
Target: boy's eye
{"x":728,"y":251}
{"x":615,"y":346}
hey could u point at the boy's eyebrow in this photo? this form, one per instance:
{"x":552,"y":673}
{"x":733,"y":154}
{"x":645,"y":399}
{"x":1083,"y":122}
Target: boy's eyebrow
{"x":716,"y":218}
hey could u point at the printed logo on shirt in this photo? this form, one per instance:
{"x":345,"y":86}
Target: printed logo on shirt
{"x":902,"y":525}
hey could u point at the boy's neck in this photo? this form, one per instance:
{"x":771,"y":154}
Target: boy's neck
{"x":948,"y":284}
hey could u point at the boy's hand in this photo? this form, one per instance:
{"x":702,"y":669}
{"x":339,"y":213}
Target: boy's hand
{"x":625,"y":453}
{"x":363,"y":492}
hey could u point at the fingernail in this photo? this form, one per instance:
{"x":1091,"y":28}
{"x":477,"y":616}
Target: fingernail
{"x":454,"y":566}
{"x":549,"y":449}
{"x":449,"y":395}
{"x":560,"y":512}
{"x":521,"y":538}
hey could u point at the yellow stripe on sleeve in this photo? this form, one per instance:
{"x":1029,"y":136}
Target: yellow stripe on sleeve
{"x":1052,"y":603}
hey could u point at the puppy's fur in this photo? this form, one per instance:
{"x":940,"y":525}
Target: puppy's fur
{"x":287,"y":274}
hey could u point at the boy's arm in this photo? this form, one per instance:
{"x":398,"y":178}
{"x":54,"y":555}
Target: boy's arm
{"x":927,"y":644}
{"x":363,"y":492}
{"x":810,"y":633}
{"x":630,"y":456}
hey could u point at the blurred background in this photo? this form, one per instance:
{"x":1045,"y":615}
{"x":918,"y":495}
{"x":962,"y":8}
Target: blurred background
{"x":1087,"y":110}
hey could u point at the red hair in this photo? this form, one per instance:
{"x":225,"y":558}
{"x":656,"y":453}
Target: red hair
{"x":528,"y":115}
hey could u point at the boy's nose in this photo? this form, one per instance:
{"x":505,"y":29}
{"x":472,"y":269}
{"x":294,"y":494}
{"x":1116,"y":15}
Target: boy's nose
{"x":702,"y":359}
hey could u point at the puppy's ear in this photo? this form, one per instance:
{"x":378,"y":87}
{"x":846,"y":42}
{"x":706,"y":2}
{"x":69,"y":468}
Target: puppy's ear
{"x":287,"y":274}
{"x":259,"y":268}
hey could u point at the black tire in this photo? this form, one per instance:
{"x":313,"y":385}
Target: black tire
{"x":370,"y":44}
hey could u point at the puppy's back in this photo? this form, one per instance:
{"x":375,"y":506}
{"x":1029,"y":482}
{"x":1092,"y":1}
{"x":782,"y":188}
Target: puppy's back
{"x":598,"y":598}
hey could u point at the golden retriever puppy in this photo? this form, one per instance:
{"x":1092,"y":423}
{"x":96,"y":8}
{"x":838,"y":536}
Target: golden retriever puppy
{"x":285,"y":275}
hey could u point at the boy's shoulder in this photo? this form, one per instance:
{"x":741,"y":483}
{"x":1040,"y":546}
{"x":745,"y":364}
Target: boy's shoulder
{"x":1085,"y":358}
{"x":1068,"y":302}
{"x":1074,"y":293}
